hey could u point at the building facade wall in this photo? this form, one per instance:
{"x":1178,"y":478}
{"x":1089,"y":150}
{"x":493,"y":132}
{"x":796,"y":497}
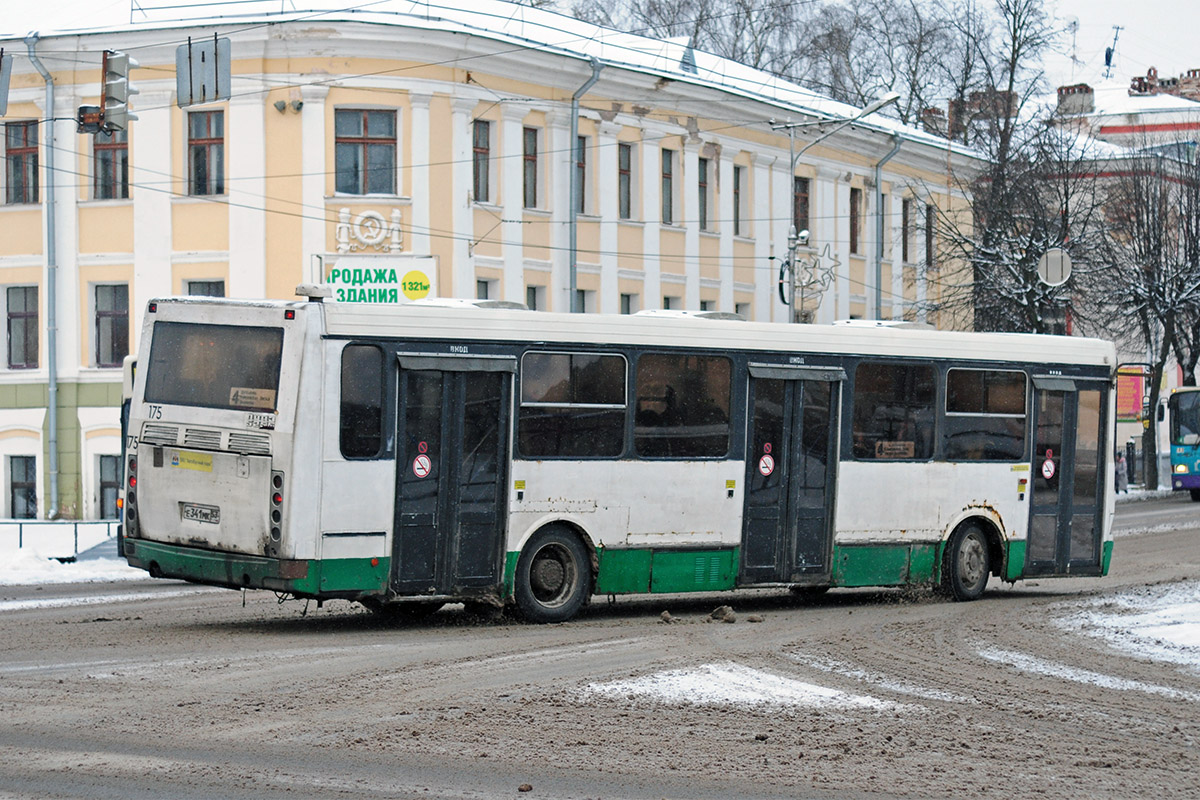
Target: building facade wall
{"x":276,"y":216}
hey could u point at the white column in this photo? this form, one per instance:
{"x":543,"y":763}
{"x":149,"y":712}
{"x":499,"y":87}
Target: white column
{"x":462,"y":271}
{"x":558,"y":132}
{"x":66,"y":234}
{"x":245,"y":144}
{"x":606,"y":183}
{"x":780,"y":222}
{"x":650,"y":162}
{"x":691,"y":224}
{"x":313,"y":182}
{"x":758,"y":214}
{"x":724,"y":170}
{"x":150,"y":160}
{"x":512,"y":200}
{"x":419,"y":219}
{"x":894,"y":255}
{"x":827,"y":213}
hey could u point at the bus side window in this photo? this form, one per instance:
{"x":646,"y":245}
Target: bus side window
{"x":985,"y":415}
{"x":893,"y":411}
{"x":362,"y":401}
{"x":683,"y":404}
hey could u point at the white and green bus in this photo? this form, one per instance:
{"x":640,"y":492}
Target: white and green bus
{"x":409,"y":456}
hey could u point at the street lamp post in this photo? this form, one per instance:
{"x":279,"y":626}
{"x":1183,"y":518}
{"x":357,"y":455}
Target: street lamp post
{"x":797,"y":238}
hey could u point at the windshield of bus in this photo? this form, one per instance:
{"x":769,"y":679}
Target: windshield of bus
{"x":1185,"y":418}
{"x":214,"y":366}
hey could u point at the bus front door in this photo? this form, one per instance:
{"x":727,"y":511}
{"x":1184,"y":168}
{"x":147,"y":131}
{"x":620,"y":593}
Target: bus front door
{"x":791,"y":468}
{"x":451,"y":473}
{"x":1068,"y":470}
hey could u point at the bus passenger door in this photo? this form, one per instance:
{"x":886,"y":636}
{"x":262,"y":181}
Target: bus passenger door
{"x":787,"y":530}
{"x":1068,"y":470}
{"x":452,"y":467}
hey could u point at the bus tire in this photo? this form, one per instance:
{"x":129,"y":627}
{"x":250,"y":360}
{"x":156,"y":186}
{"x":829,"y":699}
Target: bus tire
{"x":1195,"y":493}
{"x":966,"y":564}
{"x":554,"y":576}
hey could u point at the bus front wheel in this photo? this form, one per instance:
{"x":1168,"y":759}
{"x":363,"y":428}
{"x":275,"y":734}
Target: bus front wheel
{"x":553,"y":578}
{"x":1195,"y":493}
{"x":966,"y":565}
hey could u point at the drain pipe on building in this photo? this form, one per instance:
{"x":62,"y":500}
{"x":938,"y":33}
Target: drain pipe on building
{"x":51,"y":279}
{"x":573,"y":149}
{"x":896,"y":142}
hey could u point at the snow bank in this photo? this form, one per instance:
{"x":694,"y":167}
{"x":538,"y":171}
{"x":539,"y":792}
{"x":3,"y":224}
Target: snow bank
{"x":29,"y":566}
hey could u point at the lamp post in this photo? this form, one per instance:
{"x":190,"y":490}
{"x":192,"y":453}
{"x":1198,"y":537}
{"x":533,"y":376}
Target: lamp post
{"x":796,"y":238}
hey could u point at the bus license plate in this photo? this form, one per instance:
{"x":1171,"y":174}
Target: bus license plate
{"x":198,"y":513}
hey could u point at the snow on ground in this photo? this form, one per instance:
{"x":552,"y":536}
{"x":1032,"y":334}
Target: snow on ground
{"x":1051,"y":669}
{"x":1156,"y":622}
{"x":737,"y":685}
{"x":28,"y":566}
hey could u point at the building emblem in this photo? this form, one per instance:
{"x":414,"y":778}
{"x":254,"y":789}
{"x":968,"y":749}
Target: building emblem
{"x":368,"y":230}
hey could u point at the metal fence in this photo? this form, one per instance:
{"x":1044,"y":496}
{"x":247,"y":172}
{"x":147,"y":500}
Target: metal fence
{"x":55,"y":538}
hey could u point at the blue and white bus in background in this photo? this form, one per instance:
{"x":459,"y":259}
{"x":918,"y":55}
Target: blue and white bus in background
{"x":404,"y":457}
{"x":1183,"y":410}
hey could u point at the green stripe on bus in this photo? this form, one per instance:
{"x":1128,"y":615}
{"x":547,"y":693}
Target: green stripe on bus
{"x":884,"y":565}
{"x":1106,"y":558}
{"x":236,"y":570}
{"x":1016,"y":560}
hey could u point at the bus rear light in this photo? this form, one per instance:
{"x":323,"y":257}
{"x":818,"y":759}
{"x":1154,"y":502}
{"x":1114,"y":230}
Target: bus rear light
{"x":132,"y":481}
{"x":289,"y":313}
{"x":277,"y":498}
{"x":153,"y":308}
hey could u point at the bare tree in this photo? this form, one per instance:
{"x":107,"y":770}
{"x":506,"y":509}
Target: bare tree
{"x":1152,"y":275}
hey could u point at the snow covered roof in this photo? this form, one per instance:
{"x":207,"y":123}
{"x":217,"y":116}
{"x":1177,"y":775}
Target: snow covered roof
{"x":546,"y":31}
{"x":1114,"y":98}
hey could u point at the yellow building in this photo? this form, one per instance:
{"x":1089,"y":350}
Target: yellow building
{"x":386,"y":151}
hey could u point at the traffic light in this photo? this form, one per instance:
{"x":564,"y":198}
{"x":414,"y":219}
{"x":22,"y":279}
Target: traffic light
{"x":115,"y":101}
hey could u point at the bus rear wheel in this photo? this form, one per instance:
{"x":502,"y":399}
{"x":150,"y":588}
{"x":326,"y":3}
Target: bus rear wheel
{"x":966,"y":564}
{"x":553,"y":578}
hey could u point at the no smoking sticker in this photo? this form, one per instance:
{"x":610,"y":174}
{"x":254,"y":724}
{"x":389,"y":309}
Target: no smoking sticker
{"x":766,"y":465}
{"x":1047,"y":469}
{"x":422,"y":466}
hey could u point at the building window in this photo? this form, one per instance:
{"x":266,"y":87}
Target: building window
{"x":670,"y":302}
{"x":581,"y":174}
{"x":531,"y":297}
{"x":22,"y":327}
{"x":628,"y":303}
{"x":905,"y":227}
{"x":742,"y":310}
{"x":668,"y":187}
{"x":738,"y":173}
{"x":111,"y":153}
{"x":855,"y":218}
{"x":482,"y":289}
{"x":206,"y":288}
{"x":585,"y":301}
{"x":365,"y":151}
{"x":110,"y":484}
{"x":481,"y":144}
{"x":206,"y":152}
{"x":362,"y":401}
{"x":625,"y":181}
{"x":112,"y":324}
{"x":930,"y":237}
{"x":572,"y":405}
{"x":683,"y":404}
{"x":800,"y":205}
{"x":21,"y":154}
{"x":702,"y":192}
{"x":22,"y":487}
{"x":531,"y":167}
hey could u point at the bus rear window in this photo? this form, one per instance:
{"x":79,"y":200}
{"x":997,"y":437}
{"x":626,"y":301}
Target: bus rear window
{"x":214,"y":366}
